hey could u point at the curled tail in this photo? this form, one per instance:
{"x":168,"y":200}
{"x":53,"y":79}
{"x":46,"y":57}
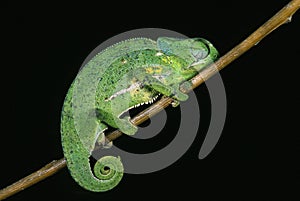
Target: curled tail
{"x":108,"y":170}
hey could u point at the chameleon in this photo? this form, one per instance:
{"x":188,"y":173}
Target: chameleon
{"x":125,"y":75}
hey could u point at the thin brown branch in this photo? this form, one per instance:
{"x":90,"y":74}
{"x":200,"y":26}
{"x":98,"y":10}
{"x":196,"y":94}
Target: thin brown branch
{"x":277,"y":20}
{"x":33,"y":178}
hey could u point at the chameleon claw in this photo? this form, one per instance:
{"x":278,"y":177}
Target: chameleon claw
{"x":107,"y":145}
{"x":103,"y":142}
{"x":175,"y":103}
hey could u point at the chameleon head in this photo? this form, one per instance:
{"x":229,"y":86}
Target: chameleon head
{"x":198,"y":52}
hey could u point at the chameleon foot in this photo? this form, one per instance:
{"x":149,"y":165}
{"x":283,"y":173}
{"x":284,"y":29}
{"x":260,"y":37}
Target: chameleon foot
{"x":103,"y":142}
{"x":186,"y":86}
{"x":175,"y":103}
{"x":178,"y":95}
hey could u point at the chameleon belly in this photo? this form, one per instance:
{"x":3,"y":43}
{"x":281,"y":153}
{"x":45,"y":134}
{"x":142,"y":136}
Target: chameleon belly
{"x":122,"y":76}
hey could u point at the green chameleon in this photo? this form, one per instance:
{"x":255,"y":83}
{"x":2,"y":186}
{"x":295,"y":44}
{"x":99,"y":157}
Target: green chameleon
{"x":125,"y":75}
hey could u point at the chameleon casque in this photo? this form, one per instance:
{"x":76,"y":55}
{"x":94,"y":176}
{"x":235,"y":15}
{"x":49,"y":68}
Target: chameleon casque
{"x":123,"y":76}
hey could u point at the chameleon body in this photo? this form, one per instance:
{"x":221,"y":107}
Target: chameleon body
{"x":123,"y":76}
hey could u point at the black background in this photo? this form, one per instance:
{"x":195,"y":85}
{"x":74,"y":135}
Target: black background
{"x":256,"y":157}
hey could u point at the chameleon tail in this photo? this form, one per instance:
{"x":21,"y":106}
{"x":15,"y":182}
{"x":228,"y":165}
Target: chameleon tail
{"x":108,"y":170}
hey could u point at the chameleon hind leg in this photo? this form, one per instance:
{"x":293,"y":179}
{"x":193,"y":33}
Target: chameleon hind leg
{"x":124,"y":124}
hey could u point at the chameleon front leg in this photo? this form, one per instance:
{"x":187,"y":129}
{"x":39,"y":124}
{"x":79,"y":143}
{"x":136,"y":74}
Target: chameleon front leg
{"x":113,"y":119}
{"x":125,"y":125}
{"x":171,"y":91}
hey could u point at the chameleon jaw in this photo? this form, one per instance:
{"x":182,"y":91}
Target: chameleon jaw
{"x":147,"y":102}
{"x":140,"y":104}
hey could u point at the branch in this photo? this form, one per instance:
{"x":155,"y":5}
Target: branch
{"x":283,"y":16}
{"x":33,"y":178}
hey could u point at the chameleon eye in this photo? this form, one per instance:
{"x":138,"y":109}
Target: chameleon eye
{"x":199,"y":49}
{"x":199,"y":54}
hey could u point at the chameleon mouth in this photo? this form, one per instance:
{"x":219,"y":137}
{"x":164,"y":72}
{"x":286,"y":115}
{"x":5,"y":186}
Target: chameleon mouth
{"x":147,"y":102}
{"x":138,"y":107}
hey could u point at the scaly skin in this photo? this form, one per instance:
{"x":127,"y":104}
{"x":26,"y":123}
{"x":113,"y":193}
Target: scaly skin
{"x":123,"y":76}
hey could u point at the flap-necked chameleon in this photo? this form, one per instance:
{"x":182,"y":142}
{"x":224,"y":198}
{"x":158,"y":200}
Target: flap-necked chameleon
{"x":123,"y":76}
